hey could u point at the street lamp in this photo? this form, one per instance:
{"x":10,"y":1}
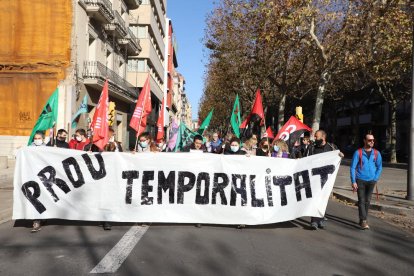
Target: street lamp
{"x":410,"y":172}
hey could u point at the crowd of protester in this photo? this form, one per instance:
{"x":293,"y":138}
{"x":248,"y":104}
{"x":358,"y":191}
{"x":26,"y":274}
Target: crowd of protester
{"x":212,"y":143}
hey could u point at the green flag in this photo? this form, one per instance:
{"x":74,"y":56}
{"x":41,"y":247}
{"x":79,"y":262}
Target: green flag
{"x":83,"y":108}
{"x":205,"y":123}
{"x":235,"y":119}
{"x":185,"y":137}
{"x":48,"y":117}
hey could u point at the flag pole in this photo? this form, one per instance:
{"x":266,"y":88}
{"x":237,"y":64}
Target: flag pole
{"x":140,"y":119}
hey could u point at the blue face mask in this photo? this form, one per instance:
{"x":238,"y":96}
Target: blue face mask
{"x":143,"y":144}
{"x":276,"y":148}
{"x":234,"y":148}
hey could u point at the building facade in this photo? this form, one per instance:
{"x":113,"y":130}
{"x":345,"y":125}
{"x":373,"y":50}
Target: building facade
{"x":76,"y":46}
{"x":149,"y":25}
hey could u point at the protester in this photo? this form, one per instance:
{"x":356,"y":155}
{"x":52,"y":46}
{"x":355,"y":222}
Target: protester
{"x":234,"y":148}
{"x":320,"y":146}
{"x":296,"y":150}
{"x":196,"y":146}
{"x":366,"y":168}
{"x":38,"y":141}
{"x":263,"y":148}
{"x":250,"y":145}
{"x":225,"y":146}
{"x":216,"y":144}
{"x":60,"y":141}
{"x":280,"y":149}
{"x":161,"y":145}
{"x":113,"y":145}
{"x":145,"y":143}
{"x":306,"y":143}
{"x":80,"y":141}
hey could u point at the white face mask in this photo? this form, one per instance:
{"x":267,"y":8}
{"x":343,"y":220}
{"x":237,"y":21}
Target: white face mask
{"x":112,"y":139}
{"x":78,"y":138}
{"x":234,"y":148}
{"x":38,"y":142}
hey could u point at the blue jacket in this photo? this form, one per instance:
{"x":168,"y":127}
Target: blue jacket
{"x":370,"y":171}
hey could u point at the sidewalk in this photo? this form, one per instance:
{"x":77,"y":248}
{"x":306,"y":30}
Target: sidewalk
{"x":6,"y":192}
{"x":392,"y":188}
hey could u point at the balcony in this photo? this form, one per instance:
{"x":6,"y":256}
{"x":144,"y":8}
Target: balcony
{"x":132,"y":4}
{"x":95,"y":73}
{"x":117,"y":27}
{"x":134,"y":48}
{"x":101,"y":10}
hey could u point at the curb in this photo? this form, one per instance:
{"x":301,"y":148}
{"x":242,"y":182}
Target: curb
{"x":374,"y":206}
{"x":403,"y":166}
{"x":5,"y":220}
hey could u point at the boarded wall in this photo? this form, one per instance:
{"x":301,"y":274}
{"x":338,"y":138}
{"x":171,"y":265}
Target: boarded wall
{"x":34,"y":55}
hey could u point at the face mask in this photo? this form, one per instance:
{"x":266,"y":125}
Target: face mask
{"x":266,"y":148}
{"x":143,"y":144}
{"x":234,"y":148}
{"x":318,"y":142}
{"x":275,"y":148}
{"x":160,"y":145}
{"x":38,"y":142}
{"x":112,"y":139}
{"x":78,"y":138}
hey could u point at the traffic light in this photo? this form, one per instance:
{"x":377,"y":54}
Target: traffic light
{"x":299,"y":114}
{"x":111,"y":113}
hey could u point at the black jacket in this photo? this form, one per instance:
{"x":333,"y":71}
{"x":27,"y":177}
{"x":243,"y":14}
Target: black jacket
{"x":58,"y":143}
{"x":313,"y":149}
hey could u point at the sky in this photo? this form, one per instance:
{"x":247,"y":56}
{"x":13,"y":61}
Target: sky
{"x":188,"y":20}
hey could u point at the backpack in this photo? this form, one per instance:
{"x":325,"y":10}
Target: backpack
{"x":360,"y":156}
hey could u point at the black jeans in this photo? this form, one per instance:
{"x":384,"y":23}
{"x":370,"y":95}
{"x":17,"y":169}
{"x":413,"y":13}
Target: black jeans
{"x":365,"y":189}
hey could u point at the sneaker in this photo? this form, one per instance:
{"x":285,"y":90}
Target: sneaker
{"x":364,"y":225}
{"x":36,"y":226}
{"x":322,"y":224}
{"x":241,"y":226}
{"x":198,"y":225}
{"x":107,"y":226}
{"x":314,"y":225}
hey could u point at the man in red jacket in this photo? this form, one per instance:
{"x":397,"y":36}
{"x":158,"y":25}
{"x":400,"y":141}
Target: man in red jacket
{"x":80,"y":140}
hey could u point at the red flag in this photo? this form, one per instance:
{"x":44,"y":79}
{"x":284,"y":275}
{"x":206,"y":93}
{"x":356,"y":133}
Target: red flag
{"x":258,"y":106}
{"x":99,"y":123}
{"x":269,"y":133}
{"x":142,"y":109}
{"x":244,"y":123}
{"x":160,"y":123}
{"x":291,"y":126}
{"x":257,"y":113}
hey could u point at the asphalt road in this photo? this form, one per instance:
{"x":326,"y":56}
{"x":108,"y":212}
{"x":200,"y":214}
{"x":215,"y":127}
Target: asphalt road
{"x":70,"y":248}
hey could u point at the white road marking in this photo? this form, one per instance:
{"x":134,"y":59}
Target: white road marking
{"x":114,"y":258}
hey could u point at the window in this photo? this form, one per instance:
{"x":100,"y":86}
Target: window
{"x":137,"y":65}
{"x":92,"y":48}
{"x":139,"y":31}
{"x":142,"y":32}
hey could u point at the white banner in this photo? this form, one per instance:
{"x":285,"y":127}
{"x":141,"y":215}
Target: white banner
{"x":170,"y":187}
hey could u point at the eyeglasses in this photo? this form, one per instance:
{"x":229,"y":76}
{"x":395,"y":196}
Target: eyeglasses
{"x":370,"y":140}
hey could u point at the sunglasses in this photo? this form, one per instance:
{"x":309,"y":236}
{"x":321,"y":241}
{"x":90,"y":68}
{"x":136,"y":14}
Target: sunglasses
{"x":371,"y":140}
